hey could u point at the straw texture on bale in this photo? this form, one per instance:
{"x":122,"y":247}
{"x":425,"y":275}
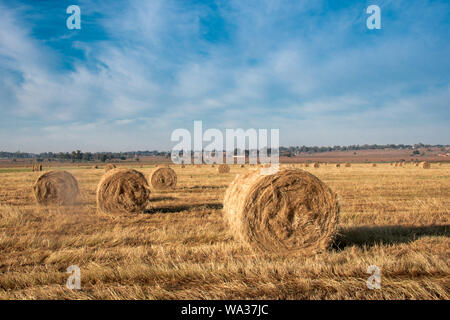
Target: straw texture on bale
{"x":56,"y":188}
{"x":110,"y":166}
{"x":122,"y":191}
{"x":163,"y":178}
{"x":224,"y":168}
{"x":290,"y":212}
{"x":425,"y":165}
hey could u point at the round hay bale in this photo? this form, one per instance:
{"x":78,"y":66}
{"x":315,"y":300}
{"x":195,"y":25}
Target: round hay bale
{"x":289,"y":212}
{"x":374,"y":164}
{"x":163,"y":178}
{"x":56,"y":188}
{"x":242,"y":166}
{"x":212,"y":166}
{"x":348,"y":165}
{"x":122,"y":191}
{"x":224,"y":168}
{"x":316,"y":165}
{"x":425,"y":165}
{"x":306,"y":165}
{"x":338,"y":165}
{"x":109,"y":167}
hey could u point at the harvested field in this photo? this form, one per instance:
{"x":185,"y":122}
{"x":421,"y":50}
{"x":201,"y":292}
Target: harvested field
{"x":179,"y":246}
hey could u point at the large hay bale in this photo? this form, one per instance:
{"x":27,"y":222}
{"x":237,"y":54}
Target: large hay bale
{"x":163,"y":178}
{"x":316,"y":165}
{"x":223,"y":168}
{"x":425,"y":165}
{"x":56,"y":188}
{"x":122,"y":191}
{"x":348,"y":165}
{"x":289,"y":212}
{"x":109,"y":167}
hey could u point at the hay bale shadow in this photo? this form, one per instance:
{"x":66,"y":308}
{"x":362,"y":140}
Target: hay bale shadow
{"x":180,"y":208}
{"x":367,"y":236}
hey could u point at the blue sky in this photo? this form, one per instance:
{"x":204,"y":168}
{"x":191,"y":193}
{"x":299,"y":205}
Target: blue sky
{"x":137,"y":70}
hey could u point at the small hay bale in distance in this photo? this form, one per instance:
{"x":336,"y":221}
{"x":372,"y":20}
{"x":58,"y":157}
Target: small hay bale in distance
{"x":224,"y":168}
{"x":425,"y":165}
{"x":242,"y":166}
{"x":122,"y":191}
{"x":306,"y":165}
{"x":374,"y":164}
{"x":163,"y":178}
{"x":348,"y":165}
{"x":316,"y":165}
{"x":290,"y":212}
{"x":338,"y":165}
{"x":110,"y":166}
{"x":56,"y":188}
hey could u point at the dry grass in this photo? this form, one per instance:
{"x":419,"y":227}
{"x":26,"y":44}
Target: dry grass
{"x":179,"y":247}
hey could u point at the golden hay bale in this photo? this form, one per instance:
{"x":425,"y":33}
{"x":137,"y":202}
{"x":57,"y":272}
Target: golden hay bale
{"x":242,"y":166}
{"x":109,"y":167}
{"x":212,"y":166}
{"x":425,"y":165}
{"x":338,"y":165}
{"x":316,"y":165}
{"x":56,"y":188}
{"x":348,"y":165}
{"x":374,"y":164}
{"x":122,"y":191}
{"x":223,"y":168}
{"x":289,"y":212}
{"x":163,"y":178}
{"x":306,"y":165}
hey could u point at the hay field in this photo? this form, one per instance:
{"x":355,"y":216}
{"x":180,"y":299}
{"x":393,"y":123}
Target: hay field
{"x":397,"y":218}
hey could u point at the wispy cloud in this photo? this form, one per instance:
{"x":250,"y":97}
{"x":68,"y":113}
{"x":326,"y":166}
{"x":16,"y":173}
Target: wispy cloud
{"x":138,"y":70}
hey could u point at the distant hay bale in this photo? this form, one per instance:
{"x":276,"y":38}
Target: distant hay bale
{"x":440,"y":164}
{"x":37,"y":167}
{"x":95,"y":167}
{"x":306,"y":165}
{"x":56,"y":188}
{"x":163,"y":178}
{"x":348,"y":165}
{"x":109,"y":167}
{"x":122,"y":191}
{"x":416,"y":164}
{"x":374,"y":164}
{"x":289,"y":212}
{"x":212,"y":166}
{"x":316,"y":165}
{"x":242,"y":166}
{"x":425,"y":165}
{"x":183,"y":166}
{"x":338,"y":165}
{"x":224,"y":168}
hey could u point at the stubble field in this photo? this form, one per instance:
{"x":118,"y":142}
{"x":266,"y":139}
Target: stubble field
{"x":396,"y":218}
